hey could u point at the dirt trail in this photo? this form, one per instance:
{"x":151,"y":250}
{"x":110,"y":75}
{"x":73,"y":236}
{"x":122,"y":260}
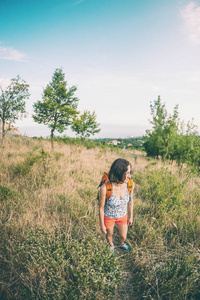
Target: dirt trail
{"x":124,"y":291}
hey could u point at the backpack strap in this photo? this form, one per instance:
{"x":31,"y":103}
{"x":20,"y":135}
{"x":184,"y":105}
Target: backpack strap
{"x":108,"y":189}
{"x":130,"y":185}
{"x":104,"y":178}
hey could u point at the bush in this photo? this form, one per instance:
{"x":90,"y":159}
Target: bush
{"x":166,"y":274}
{"x":58,"y":266}
{"x":165,"y":262}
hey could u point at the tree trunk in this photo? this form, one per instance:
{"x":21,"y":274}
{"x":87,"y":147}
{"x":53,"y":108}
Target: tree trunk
{"x":3,"y":133}
{"x":180,"y":169}
{"x":52,"y":131}
{"x":165,"y":156}
{"x":83,"y":140}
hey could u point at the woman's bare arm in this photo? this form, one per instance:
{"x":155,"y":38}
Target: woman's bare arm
{"x":130,"y":220}
{"x":102,"y":199}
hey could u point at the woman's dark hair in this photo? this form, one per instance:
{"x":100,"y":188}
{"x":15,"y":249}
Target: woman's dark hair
{"x":118,"y":170}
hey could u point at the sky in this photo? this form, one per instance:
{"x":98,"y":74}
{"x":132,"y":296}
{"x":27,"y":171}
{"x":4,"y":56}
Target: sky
{"x":120,"y":54}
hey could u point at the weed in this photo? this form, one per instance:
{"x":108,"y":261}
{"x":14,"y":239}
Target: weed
{"x":5,"y":193}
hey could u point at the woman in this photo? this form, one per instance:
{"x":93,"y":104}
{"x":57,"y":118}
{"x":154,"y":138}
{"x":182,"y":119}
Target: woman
{"x":118,"y":209}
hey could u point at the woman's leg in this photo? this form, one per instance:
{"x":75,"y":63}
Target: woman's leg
{"x":109,"y":235}
{"x":122,"y":228}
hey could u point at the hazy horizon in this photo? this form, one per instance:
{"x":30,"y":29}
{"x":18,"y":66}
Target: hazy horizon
{"x":107,"y":131}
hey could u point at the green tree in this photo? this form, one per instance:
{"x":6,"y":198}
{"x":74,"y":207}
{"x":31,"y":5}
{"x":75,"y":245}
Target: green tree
{"x":58,"y":105}
{"x":187,"y":146}
{"x":160,"y":140}
{"x":171,"y":139}
{"x":85,"y":124}
{"x":12,"y":103}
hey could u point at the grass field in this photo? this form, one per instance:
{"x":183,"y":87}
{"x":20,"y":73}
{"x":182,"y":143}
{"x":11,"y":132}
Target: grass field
{"x":51,"y":244}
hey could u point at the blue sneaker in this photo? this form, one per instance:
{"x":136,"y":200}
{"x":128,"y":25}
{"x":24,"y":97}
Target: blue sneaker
{"x":125,"y":247}
{"x":112,"y":249}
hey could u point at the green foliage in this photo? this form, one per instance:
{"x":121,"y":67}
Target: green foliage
{"x":169,"y":203}
{"x":169,"y":139}
{"x":5,"y":193}
{"x":166,"y":275}
{"x":165,"y":263}
{"x":160,"y":141}
{"x":88,"y":143}
{"x":127,"y":143}
{"x":46,"y":266}
{"x":58,"y":106}
{"x":137,"y":143}
{"x":85,"y":125}
{"x":187,"y":147}
{"x":12,"y":102}
{"x":164,"y":192}
{"x":24,"y":168}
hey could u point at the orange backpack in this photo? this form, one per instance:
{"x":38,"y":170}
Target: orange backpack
{"x":105,"y":179}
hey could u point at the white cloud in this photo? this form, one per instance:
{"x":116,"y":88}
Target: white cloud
{"x":8,"y":53}
{"x":191,"y":17}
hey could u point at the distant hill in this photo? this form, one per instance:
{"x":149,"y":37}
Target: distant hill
{"x":12,"y":131}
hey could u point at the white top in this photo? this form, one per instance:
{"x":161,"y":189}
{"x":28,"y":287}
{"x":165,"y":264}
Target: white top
{"x":116,"y":208}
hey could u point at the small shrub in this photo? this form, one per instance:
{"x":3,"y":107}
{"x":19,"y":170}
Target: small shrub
{"x":58,"y":155}
{"x":5,"y":193}
{"x":166,"y":275}
{"x":57,"y":266}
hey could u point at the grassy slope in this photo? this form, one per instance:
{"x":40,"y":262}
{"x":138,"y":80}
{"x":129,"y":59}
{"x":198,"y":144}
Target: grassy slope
{"x":51,"y":246}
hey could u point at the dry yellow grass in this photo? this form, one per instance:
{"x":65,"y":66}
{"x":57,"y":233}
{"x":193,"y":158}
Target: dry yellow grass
{"x":68,"y":170}
{"x":71,"y":172}
{"x":58,"y":188}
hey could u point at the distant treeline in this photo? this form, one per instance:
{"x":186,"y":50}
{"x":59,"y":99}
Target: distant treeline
{"x":131,"y":142}
{"x":122,"y":143}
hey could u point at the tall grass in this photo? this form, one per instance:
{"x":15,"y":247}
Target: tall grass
{"x":166,"y":238}
{"x":51,"y":245}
